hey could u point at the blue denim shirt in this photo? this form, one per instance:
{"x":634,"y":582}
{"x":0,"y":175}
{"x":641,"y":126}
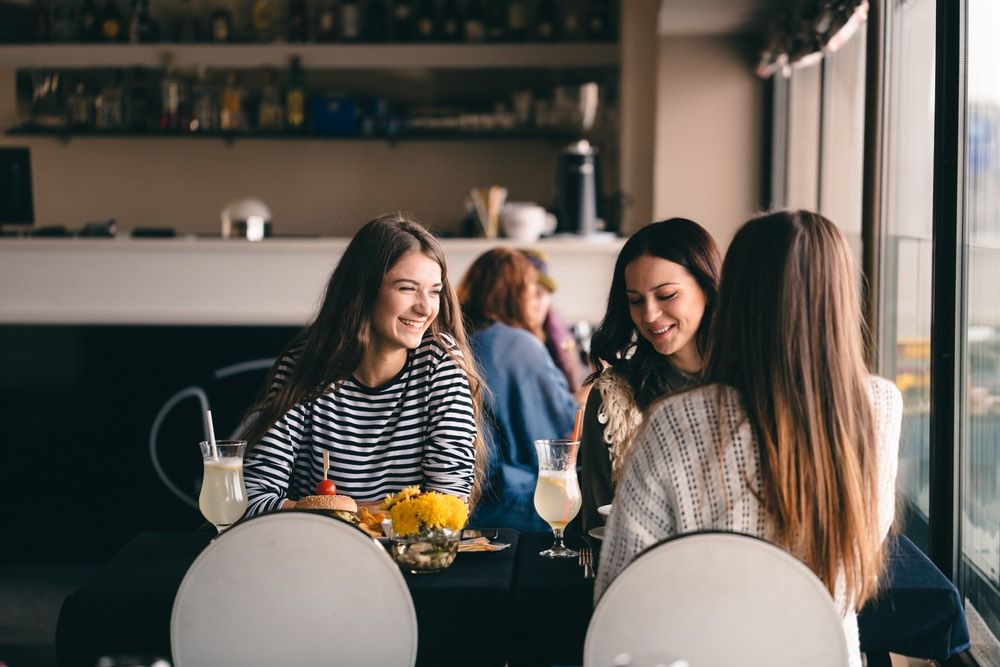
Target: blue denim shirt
{"x":528,"y":400}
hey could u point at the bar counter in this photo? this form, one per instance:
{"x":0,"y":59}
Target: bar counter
{"x":211,"y":281}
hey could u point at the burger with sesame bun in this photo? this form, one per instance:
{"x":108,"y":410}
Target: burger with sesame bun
{"x":327,"y":499}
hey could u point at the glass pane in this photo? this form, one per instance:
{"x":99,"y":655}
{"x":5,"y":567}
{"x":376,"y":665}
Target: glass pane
{"x":981,"y":483}
{"x":802,"y":171}
{"x":842,"y":165}
{"x":906,"y":262}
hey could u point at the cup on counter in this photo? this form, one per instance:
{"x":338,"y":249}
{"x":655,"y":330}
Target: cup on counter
{"x":526,"y":222}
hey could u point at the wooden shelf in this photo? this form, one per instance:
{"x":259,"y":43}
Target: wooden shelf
{"x":513,"y":135}
{"x":573,"y":55}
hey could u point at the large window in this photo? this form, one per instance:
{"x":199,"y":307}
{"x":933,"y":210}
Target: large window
{"x":905,"y":300}
{"x":802,"y":173}
{"x":843,"y":134}
{"x":981,"y":453}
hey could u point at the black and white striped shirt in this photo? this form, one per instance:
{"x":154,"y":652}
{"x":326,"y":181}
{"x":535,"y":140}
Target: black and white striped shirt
{"x":418,"y":428}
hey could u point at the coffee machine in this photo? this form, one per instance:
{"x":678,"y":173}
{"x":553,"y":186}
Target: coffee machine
{"x":578,"y":173}
{"x":577,"y":189}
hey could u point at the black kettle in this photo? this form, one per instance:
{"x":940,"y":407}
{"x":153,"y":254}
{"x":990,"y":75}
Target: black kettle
{"x":576,"y":189}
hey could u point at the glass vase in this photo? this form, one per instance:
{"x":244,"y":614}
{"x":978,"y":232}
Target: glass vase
{"x":426,"y":552}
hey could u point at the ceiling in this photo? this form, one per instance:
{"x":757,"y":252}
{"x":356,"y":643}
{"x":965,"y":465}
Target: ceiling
{"x":716,"y":17}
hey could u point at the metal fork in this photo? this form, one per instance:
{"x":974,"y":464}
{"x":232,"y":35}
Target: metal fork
{"x":587,"y":562}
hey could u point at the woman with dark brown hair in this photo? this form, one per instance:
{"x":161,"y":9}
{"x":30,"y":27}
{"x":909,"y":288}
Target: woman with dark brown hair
{"x":381,"y":380}
{"x":528,"y":398}
{"x":649,"y":344}
{"x":791,"y":440}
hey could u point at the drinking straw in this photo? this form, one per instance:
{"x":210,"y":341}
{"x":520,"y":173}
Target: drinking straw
{"x":577,"y":424}
{"x":211,"y":434}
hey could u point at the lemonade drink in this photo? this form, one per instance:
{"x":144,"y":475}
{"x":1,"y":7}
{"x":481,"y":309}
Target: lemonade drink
{"x":557,"y":497}
{"x":223,"y":498}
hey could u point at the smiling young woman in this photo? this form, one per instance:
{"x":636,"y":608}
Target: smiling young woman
{"x":381,"y":381}
{"x":649,"y":344}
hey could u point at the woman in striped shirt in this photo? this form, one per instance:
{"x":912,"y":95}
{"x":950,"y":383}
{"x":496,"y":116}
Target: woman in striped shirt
{"x":381,"y":380}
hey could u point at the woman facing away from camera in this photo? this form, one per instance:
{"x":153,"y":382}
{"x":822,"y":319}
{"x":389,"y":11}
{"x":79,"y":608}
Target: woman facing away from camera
{"x":650,"y":343}
{"x":528,"y":397}
{"x":791,"y":440}
{"x":381,"y":380}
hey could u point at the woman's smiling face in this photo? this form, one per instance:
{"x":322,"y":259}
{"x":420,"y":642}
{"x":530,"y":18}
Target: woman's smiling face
{"x":666,"y":305}
{"x":408,"y":302}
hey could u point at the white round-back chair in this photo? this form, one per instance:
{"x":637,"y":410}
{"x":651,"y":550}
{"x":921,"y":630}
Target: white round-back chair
{"x":293,"y":588}
{"x":717,"y":599}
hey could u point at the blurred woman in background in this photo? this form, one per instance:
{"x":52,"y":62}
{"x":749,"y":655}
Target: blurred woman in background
{"x":792,"y":441}
{"x":558,"y":338}
{"x":649,"y":344}
{"x":527,"y":398}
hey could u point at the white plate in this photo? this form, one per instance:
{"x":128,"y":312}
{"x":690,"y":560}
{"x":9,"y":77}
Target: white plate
{"x":597,"y":533}
{"x":604,"y":510}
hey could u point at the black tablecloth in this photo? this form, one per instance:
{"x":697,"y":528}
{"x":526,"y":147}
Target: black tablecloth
{"x":485,"y":608}
{"x":919,"y":613}
{"x":126,"y":607}
{"x":551,"y":603}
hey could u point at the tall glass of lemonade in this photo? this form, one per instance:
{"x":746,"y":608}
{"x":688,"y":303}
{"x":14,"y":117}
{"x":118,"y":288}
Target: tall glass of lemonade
{"x":557,"y":495}
{"x":223,"y":498}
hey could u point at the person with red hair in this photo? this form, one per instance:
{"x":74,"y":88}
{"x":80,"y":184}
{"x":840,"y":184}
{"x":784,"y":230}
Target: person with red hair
{"x":527,"y":399}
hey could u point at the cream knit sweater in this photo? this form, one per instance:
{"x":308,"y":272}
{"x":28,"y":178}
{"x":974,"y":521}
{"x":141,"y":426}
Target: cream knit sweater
{"x":675,"y":481}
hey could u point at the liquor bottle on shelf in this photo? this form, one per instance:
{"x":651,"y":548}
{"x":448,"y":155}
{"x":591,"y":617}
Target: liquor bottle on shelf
{"x":517,"y":19}
{"x":108,"y":106}
{"x":269,"y":111}
{"x":297,"y":18}
{"x":111,"y":24}
{"x":204,"y":106}
{"x":79,"y":108}
{"x":474,"y":22}
{"x":40,"y":22}
{"x":186,"y":30}
{"x":350,"y":20}
{"x":402,"y":29}
{"x":425,"y":21}
{"x":137,"y":104}
{"x":599,"y":20}
{"x":546,"y":21}
{"x":495,"y":19}
{"x":573,"y":26}
{"x":376,"y":21}
{"x":141,"y":27}
{"x":174,"y":100}
{"x":231,"y":117}
{"x":86,"y":21}
{"x":221,"y":25}
{"x":295,"y":97}
{"x":262,"y":20}
{"x":62,"y":24}
{"x":451,"y":21}
{"x":327,"y":23}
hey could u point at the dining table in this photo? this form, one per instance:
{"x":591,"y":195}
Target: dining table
{"x":510,"y":606}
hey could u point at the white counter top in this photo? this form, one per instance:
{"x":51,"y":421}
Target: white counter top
{"x":209,"y":281}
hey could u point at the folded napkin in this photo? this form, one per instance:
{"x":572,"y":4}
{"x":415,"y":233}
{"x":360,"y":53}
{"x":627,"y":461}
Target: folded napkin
{"x":480,"y":544}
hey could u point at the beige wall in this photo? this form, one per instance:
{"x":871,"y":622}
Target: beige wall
{"x":313,"y":187}
{"x":708,"y":133}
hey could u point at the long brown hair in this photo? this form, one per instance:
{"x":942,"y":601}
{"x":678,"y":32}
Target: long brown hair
{"x":331,"y":347}
{"x":495,"y":289}
{"x":648,"y":372}
{"x":788,"y":337}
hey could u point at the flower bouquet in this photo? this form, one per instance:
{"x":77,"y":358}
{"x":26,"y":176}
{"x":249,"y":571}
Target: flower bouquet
{"x":427,"y":527}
